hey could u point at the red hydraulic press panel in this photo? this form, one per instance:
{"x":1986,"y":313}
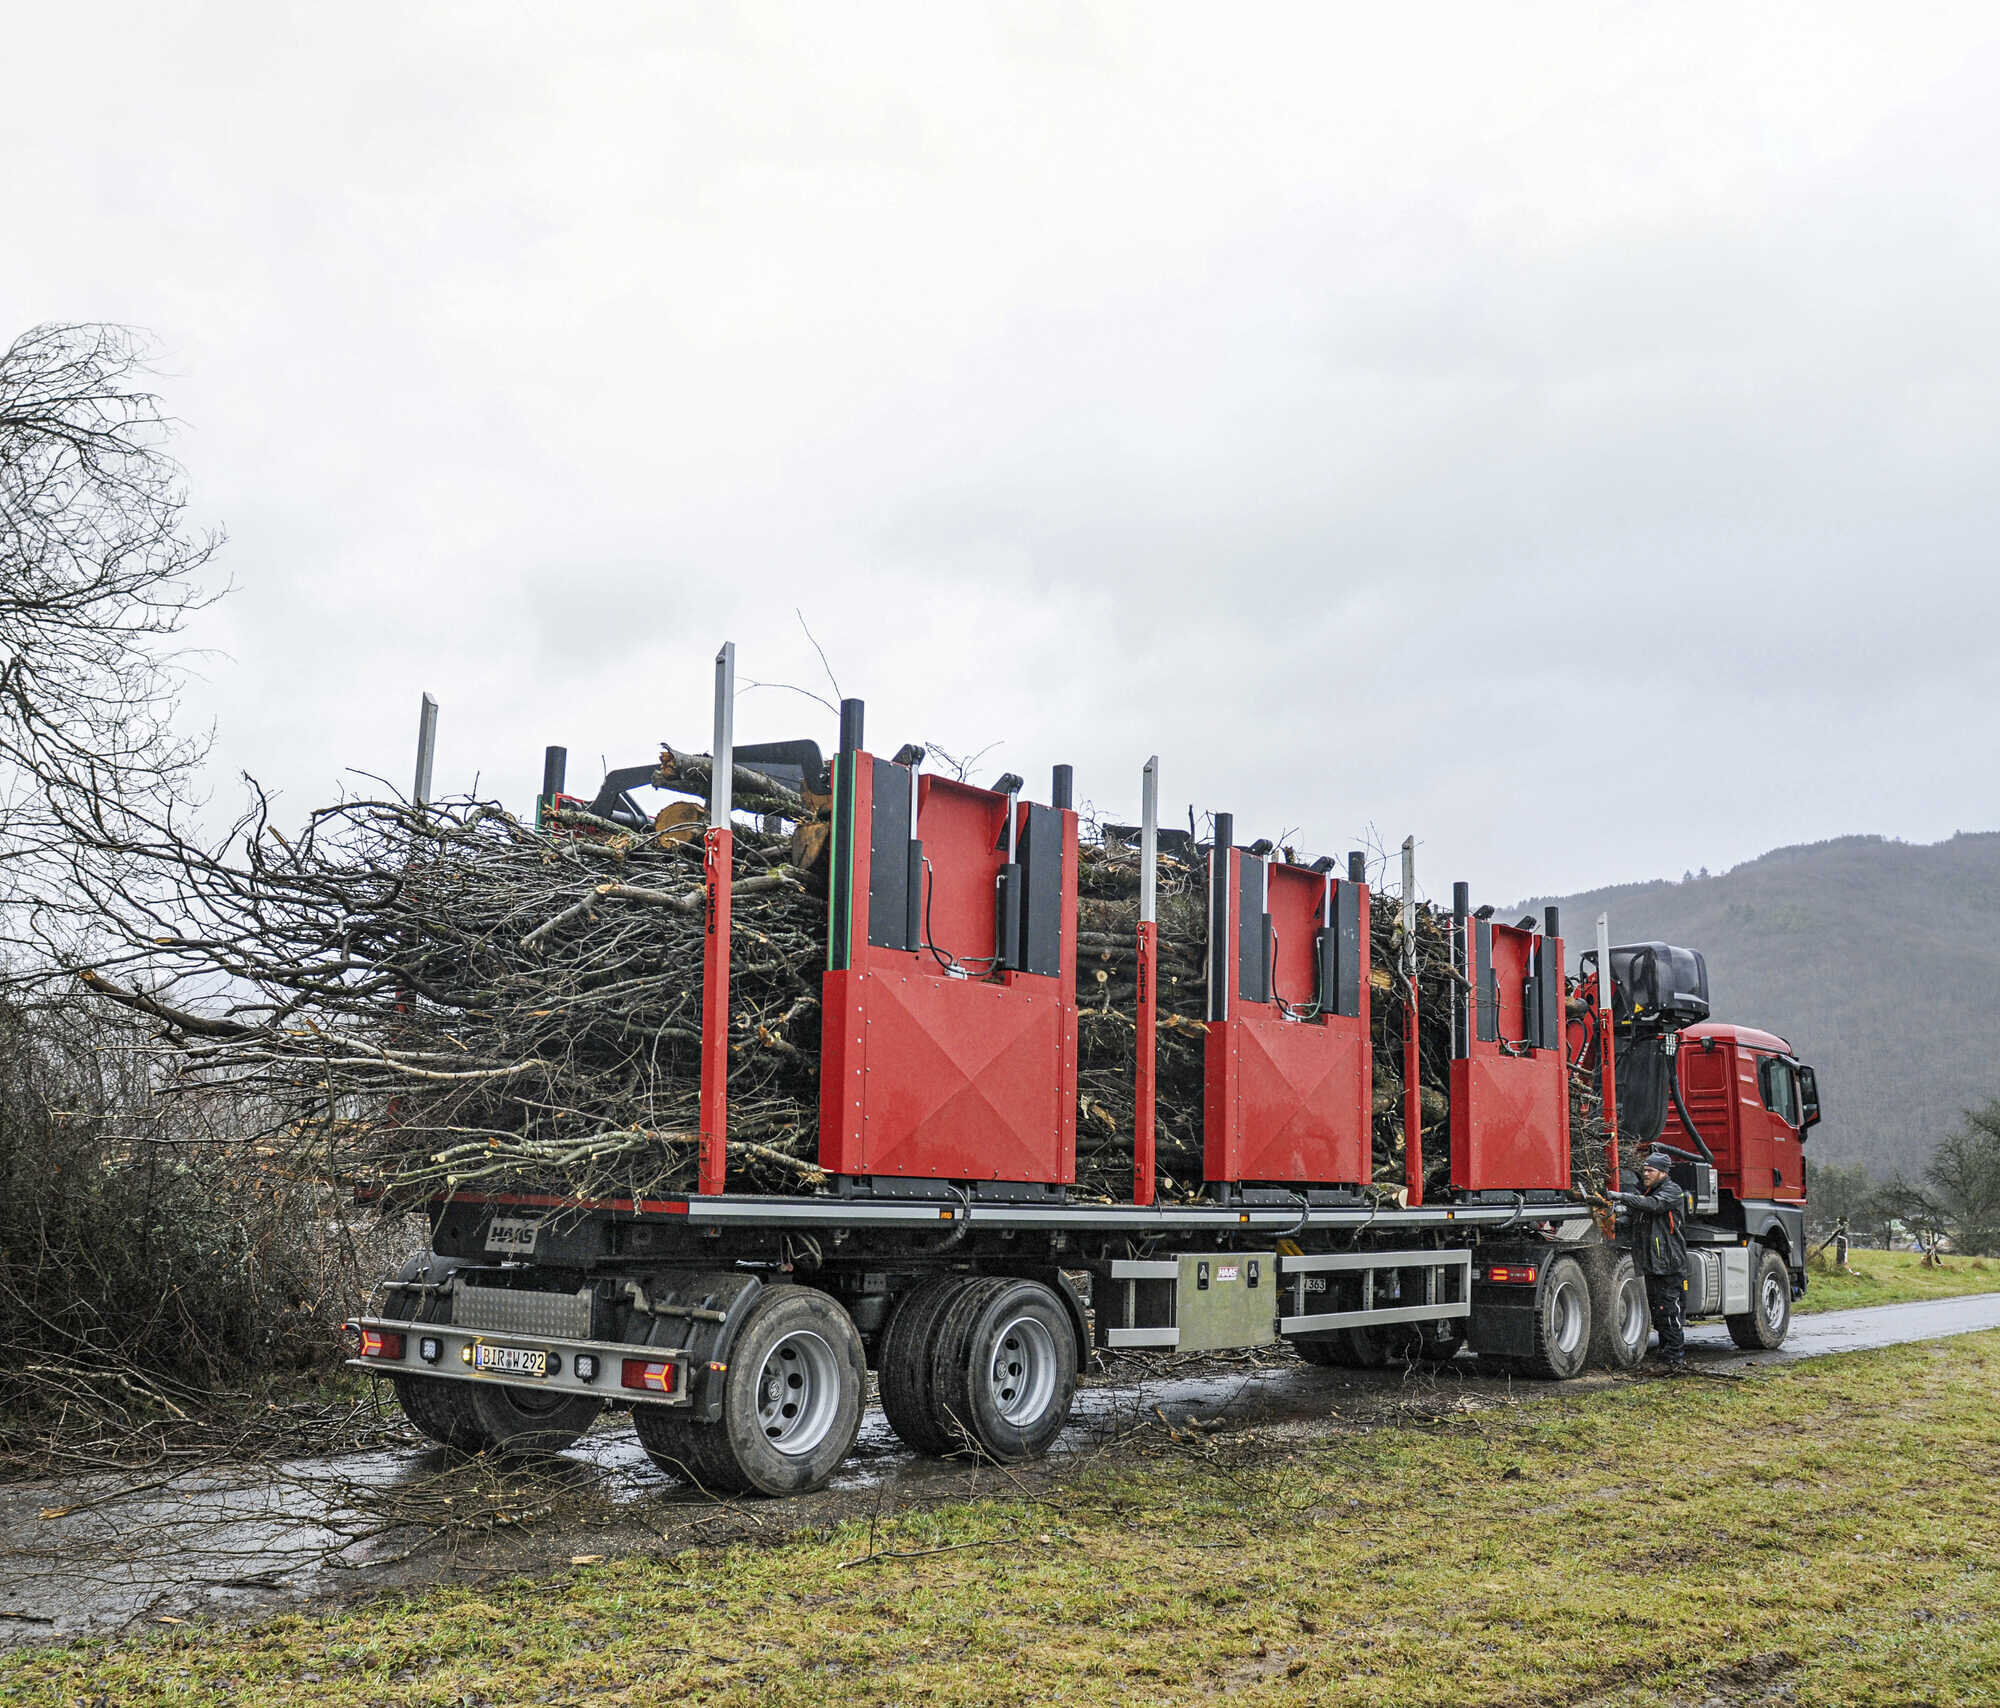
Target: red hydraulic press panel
{"x":1288,"y":1065}
{"x":1509,"y":1073}
{"x":948,"y":1025}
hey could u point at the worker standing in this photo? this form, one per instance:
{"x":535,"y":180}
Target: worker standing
{"x":1659,"y":1251}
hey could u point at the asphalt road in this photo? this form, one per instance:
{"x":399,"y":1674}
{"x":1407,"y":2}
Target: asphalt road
{"x":91,"y":1555}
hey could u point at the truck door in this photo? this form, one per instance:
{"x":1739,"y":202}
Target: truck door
{"x":1778,"y":1090}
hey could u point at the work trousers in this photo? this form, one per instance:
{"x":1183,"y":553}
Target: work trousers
{"x":1665,"y":1297}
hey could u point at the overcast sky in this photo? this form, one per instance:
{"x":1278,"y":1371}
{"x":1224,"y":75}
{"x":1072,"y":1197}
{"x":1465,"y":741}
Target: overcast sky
{"x":1565,"y":432}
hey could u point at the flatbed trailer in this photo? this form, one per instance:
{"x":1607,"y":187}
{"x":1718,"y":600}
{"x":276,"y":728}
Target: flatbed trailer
{"x":947,"y":1253}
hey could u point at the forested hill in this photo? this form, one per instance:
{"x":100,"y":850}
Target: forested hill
{"x":1878,"y":960}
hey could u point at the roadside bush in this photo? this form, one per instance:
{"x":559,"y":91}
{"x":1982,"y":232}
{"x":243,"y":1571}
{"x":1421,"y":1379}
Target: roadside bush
{"x":146,"y":1259}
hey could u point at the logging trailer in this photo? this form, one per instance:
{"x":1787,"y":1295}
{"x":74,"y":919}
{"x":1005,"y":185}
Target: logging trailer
{"x":946,"y":1252}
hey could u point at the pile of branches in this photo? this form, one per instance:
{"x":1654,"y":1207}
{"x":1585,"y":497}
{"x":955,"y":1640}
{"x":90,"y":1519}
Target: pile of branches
{"x":418,"y":999}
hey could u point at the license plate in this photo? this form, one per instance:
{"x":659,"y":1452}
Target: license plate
{"x":510,"y":1360}
{"x":513,"y":1236}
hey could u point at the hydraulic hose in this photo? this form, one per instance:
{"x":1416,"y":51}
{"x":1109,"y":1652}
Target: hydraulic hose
{"x":1681,"y":1109}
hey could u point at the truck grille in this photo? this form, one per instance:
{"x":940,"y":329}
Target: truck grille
{"x":510,"y":1310}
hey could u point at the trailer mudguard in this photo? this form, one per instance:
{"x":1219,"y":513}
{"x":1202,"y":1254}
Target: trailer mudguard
{"x":698,"y":1311}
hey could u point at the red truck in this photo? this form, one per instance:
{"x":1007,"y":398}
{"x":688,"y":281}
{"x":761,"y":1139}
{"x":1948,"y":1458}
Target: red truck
{"x":948,"y":1253}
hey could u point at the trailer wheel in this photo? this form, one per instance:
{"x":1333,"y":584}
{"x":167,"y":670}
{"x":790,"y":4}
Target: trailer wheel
{"x":1367,"y":1348}
{"x":792,"y":1397}
{"x":1764,"y":1326}
{"x":696,"y":1453}
{"x":1006,"y":1371}
{"x":1619,"y":1321}
{"x":515,"y":1421}
{"x":1562,"y":1323}
{"x":1328,"y":1351}
{"x":438,"y":1408}
{"x":904,"y":1367}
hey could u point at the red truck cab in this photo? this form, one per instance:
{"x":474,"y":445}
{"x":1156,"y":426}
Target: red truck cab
{"x":1753,"y":1102}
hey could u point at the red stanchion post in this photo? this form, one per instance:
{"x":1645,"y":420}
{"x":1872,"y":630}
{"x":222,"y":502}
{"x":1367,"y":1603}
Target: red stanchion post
{"x":718,"y":850}
{"x":1413,"y":1092}
{"x":1607,"y":1066}
{"x":1146,"y":1065}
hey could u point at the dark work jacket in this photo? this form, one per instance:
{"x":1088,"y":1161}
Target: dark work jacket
{"x":1659,"y":1247}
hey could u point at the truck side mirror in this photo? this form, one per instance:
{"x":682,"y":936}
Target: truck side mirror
{"x":1808,"y":1100}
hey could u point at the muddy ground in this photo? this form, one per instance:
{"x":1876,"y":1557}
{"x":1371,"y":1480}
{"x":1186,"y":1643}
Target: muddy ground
{"x":99,"y":1552}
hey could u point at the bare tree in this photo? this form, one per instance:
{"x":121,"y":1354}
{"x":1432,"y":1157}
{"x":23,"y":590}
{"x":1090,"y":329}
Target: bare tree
{"x":98,"y":576}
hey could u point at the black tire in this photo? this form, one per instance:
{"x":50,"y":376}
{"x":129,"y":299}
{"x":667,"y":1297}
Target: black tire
{"x":1328,"y":1351}
{"x":1764,"y":1326}
{"x":1005,"y":1371}
{"x":515,"y":1422}
{"x":440,"y":1410}
{"x":903,"y":1364}
{"x":1620,"y":1324}
{"x":792,"y":1397}
{"x":1562,"y":1323}
{"x":950,"y":1353}
{"x":696,"y":1453}
{"x":1367,"y":1348}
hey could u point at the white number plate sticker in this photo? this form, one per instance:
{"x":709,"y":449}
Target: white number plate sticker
{"x":510,"y":1360}
{"x":512,"y":1235}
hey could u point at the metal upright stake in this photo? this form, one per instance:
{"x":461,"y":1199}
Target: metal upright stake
{"x":718,"y":855}
{"x":1413,"y":1091}
{"x":1143,"y":1131}
{"x":1607,"y":1065}
{"x":427,"y":739}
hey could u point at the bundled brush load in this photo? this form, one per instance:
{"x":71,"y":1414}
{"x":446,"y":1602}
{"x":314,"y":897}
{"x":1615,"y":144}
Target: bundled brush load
{"x":420,"y":999}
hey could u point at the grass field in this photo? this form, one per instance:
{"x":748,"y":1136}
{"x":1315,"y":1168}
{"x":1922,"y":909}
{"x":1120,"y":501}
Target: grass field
{"x":1824,"y":1534}
{"x":1890,"y":1277}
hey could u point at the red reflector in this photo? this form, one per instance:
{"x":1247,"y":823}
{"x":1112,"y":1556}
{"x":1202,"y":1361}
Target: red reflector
{"x":1517,"y":1273}
{"x":657,"y":1377}
{"x":375,"y":1343}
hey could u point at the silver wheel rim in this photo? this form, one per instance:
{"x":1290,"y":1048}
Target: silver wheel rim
{"x":1774,"y":1302}
{"x":1569,"y":1319}
{"x":1022,"y":1373}
{"x":1632,"y":1319}
{"x":798,"y":1392}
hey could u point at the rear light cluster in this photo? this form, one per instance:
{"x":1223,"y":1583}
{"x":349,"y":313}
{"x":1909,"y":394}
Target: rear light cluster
{"x":1513,"y":1274}
{"x":381,"y":1343}
{"x":650,"y":1375}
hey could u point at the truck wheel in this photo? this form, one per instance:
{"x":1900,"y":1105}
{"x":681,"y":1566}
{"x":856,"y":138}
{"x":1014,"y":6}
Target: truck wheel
{"x":514,"y":1421}
{"x":1764,"y":1326}
{"x":1562,"y":1323}
{"x":903,"y":1364}
{"x":792,"y":1397}
{"x":1006,"y":1371}
{"x":439,"y":1410}
{"x":1619,"y":1321}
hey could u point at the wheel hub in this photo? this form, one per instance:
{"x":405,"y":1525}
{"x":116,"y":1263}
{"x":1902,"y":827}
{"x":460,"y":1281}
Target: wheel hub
{"x":1022,"y":1373}
{"x":798,"y":1392}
